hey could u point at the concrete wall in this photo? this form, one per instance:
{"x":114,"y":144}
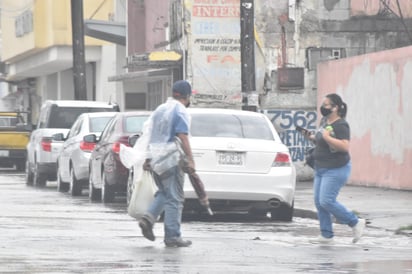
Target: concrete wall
{"x":316,"y":27}
{"x":378,"y":90}
{"x":374,"y":7}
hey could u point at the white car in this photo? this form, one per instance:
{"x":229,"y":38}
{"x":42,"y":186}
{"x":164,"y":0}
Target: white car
{"x":242,"y":162}
{"x":56,"y":116}
{"x":73,"y":161}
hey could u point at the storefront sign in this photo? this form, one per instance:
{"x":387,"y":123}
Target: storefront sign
{"x":215,"y":52}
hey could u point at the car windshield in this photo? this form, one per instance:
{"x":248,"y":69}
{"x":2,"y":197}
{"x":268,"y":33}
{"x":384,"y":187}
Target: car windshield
{"x":64,"y":117}
{"x":134,"y":124}
{"x":97,"y":124}
{"x":8,"y":121}
{"x":233,"y":126}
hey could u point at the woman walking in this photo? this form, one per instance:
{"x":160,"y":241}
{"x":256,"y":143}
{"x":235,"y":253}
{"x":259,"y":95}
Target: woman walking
{"x":332,"y":169}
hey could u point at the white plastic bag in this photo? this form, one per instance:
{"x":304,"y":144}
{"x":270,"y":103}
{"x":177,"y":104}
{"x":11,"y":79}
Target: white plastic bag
{"x":142,"y":196}
{"x":164,"y":157}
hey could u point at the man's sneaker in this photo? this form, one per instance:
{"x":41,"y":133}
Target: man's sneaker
{"x":177,"y":243}
{"x":321,"y":240}
{"x":358,"y":230}
{"x":147,"y":229}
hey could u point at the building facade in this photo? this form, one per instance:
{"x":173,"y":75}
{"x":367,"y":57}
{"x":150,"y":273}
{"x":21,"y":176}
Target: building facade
{"x":291,"y":38}
{"x":200,"y":40}
{"x":37,"y":51}
{"x":151,"y":63}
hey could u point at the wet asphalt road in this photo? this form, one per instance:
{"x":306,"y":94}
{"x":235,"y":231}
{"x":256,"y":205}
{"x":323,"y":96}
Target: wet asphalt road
{"x":43,"y":231}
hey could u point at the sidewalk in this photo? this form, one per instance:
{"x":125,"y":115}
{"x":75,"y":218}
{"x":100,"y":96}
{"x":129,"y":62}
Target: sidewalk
{"x":384,"y":208}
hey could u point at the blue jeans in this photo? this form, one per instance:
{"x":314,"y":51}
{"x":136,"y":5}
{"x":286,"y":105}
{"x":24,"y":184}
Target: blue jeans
{"x":169,"y":198}
{"x":326,"y":187}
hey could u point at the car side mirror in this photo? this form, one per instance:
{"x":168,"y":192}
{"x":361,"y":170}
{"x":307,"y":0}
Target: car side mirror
{"x":90,"y":138}
{"x":133,"y":139}
{"x":59,"y":137}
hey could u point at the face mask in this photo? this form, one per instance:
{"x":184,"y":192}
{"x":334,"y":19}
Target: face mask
{"x":325,"y":111}
{"x":188,"y":104}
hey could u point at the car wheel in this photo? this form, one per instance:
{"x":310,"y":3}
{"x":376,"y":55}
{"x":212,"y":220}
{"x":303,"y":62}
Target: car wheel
{"x":75,"y":185}
{"x":130,"y":186}
{"x":29,"y":174}
{"x":107,"y":191}
{"x":94,"y":193}
{"x":283,"y":213}
{"x":61,"y":186}
{"x":38,"y":178}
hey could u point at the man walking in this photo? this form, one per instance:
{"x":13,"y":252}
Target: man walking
{"x":169,"y":121}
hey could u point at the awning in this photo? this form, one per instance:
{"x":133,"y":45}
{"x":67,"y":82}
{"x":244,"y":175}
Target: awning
{"x":154,"y":73}
{"x":155,"y":59}
{"x":114,"y":32}
{"x":157,"y":64}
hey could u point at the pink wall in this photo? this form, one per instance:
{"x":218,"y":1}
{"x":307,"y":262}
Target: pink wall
{"x":374,"y":7}
{"x":378,"y":90}
{"x":157,"y":20}
{"x":147,"y":23}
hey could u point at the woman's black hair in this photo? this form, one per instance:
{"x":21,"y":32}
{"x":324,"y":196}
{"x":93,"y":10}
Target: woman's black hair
{"x":337,"y":101}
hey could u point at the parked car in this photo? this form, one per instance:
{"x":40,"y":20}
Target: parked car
{"x":107,"y":174}
{"x":55,"y":116}
{"x":242,"y":162}
{"x":14,"y":136}
{"x":73,"y":161}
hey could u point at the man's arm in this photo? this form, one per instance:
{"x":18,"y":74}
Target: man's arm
{"x":187,"y":150}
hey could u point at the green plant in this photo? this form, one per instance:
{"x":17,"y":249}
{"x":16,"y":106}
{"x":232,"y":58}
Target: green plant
{"x":408,"y":227}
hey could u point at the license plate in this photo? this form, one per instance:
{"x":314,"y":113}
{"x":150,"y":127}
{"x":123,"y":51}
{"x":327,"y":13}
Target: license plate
{"x":230,"y":158}
{"x":4,"y":153}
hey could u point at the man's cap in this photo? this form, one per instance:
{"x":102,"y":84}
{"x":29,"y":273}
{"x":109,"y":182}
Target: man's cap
{"x":182,"y":87}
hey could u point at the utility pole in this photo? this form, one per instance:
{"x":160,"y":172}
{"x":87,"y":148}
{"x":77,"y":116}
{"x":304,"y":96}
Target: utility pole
{"x":79,"y":62}
{"x":247,"y":55}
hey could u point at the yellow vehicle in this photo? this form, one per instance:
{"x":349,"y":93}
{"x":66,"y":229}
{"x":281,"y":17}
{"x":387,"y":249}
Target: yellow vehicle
{"x":14,"y":136}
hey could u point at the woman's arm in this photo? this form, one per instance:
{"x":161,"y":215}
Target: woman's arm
{"x":334,"y":143}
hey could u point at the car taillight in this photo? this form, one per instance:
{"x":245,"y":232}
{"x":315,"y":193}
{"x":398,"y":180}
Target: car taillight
{"x":116,"y":147}
{"x":282,"y":159}
{"x":88,"y":147}
{"x":122,"y":140}
{"x":46,"y":143}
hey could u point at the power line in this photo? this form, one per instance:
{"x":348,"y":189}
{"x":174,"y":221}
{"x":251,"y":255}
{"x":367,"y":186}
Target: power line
{"x":97,"y":10}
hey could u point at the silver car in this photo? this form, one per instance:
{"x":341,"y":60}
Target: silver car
{"x":73,"y":161}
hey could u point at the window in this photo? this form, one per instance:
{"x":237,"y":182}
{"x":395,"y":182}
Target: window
{"x":316,"y":55}
{"x":97,"y":124}
{"x":135,"y":100}
{"x":8,"y":121}
{"x":134,"y":124}
{"x":75,"y":128}
{"x":176,"y":21}
{"x":156,"y":97}
{"x":64,"y":117}
{"x":232,"y":126}
{"x":109,"y":129}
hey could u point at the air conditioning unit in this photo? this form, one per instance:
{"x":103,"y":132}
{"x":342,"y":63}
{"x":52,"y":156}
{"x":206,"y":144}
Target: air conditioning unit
{"x":336,"y":53}
{"x":291,"y":78}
